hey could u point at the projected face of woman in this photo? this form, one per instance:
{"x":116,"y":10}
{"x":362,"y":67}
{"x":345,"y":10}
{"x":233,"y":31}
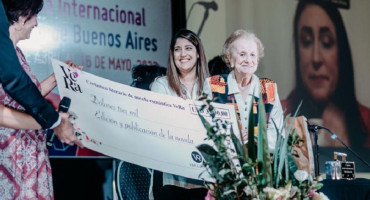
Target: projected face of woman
{"x":318,"y":51}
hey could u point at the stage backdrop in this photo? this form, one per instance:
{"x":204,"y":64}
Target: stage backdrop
{"x":107,"y":37}
{"x":272,"y":21}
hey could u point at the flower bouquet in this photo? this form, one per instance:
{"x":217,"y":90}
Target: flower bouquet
{"x":248,"y":171}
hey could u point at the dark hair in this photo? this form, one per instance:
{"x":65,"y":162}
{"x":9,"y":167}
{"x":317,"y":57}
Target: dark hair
{"x":344,"y":95}
{"x":21,"y":8}
{"x":201,"y":68}
{"x":144,"y":75}
{"x":217,"y":66}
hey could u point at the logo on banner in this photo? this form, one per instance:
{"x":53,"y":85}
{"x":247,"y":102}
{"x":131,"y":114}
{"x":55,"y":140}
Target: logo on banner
{"x":196,"y":157}
{"x":70,"y":79}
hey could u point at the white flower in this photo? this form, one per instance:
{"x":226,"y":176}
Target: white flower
{"x":301,"y":175}
{"x":294,"y":190}
{"x":248,"y":191}
{"x":281,"y":193}
{"x":321,"y":196}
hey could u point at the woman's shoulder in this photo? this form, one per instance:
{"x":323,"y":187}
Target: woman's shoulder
{"x":161,"y":80}
{"x":160,"y":85}
{"x":267,"y":84}
{"x":265,"y":80}
{"x":217,"y":78}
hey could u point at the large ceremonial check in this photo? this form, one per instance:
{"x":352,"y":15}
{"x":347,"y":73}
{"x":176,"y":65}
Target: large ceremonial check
{"x":141,"y":127}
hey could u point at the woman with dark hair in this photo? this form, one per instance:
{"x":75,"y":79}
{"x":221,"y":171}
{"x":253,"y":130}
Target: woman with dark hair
{"x":186,"y":72}
{"x":24,"y":167}
{"x":187,"y":67}
{"x":217,"y":66}
{"x":144,"y":75}
{"x":325,"y":77}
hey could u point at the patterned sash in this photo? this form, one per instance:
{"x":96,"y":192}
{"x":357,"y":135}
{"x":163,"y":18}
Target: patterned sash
{"x":220,"y":90}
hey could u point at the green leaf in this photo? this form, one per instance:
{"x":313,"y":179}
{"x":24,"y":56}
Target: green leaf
{"x":223,"y":172}
{"x":293,"y":137}
{"x":278,"y":142}
{"x":230,"y":181}
{"x":251,"y":144}
{"x":263,"y":155}
{"x":205,"y":123}
{"x":239,"y":148}
{"x":286,"y":167}
{"x":292,"y":167}
{"x":210,"y":155}
{"x":284,"y":148}
{"x":229,"y":192}
{"x":317,"y":186}
{"x":204,"y":96}
{"x":277,"y":151}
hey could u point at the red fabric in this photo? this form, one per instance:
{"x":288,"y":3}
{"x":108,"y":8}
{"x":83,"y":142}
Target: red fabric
{"x":53,"y":99}
{"x":25,"y":171}
{"x":365,"y":116}
{"x":87,"y":152}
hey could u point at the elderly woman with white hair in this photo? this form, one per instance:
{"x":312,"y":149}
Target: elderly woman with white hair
{"x":241,"y":52}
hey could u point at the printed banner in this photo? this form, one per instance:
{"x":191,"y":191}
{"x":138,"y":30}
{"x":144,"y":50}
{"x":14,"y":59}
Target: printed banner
{"x":107,"y":37}
{"x":138,"y":126}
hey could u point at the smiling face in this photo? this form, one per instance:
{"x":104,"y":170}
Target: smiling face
{"x":185,"y":56}
{"x":243,"y":56}
{"x":318,"y":51}
{"x":25,"y":27}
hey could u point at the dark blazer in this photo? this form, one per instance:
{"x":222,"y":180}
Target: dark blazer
{"x":17,"y":83}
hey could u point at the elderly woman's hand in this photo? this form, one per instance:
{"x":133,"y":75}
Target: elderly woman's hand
{"x":73,"y":65}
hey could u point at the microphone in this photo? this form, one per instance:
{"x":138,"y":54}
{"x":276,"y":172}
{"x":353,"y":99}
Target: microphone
{"x":63,"y":108}
{"x":314,"y":128}
{"x":209,"y":5}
